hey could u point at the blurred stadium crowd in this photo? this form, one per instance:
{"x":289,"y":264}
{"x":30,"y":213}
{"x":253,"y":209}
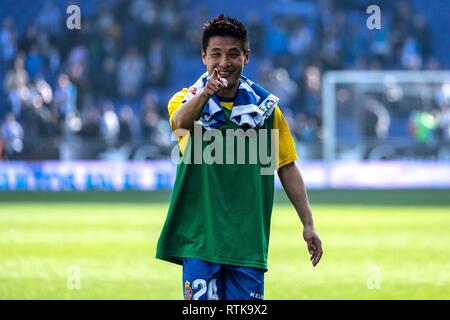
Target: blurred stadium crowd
{"x":101,"y":92}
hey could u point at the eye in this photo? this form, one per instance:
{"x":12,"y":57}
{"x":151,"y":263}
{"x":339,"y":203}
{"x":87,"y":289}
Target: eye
{"x":215,"y":55}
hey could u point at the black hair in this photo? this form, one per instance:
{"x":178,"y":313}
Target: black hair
{"x":225,"y":26}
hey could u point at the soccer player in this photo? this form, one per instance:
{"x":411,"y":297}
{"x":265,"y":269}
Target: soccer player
{"x":218,"y":221}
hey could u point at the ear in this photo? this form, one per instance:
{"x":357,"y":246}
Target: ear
{"x":247,"y":56}
{"x":204,"y":57}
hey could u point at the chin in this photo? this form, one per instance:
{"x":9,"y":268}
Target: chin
{"x":233,"y":82}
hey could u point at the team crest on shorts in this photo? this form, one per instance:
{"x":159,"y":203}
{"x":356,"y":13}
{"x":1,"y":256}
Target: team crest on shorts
{"x":187,"y":290}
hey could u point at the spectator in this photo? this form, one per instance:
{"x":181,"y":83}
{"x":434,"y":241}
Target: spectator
{"x":444,"y":124}
{"x":306,"y":129}
{"x":105,"y":80}
{"x":12,"y":135}
{"x":375,"y":120}
{"x":281,"y":84}
{"x":380,"y":46}
{"x":34,"y":62}
{"x":155,"y":129}
{"x":256,"y":31}
{"x":422,"y":126}
{"x":49,"y":18}
{"x":145,"y":13}
{"x":130,"y":73}
{"x":300,"y":42}
{"x":15,"y":84}
{"x":158,"y":64}
{"x":126,"y":126}
{"x":8,"y":40}
{"x":411,"y":58}
{"x":422,"y":34}
{"x":65,"y":96}
{"x":278,"y":39}
{"x":109,"y":125}
{"x":90,"y":121}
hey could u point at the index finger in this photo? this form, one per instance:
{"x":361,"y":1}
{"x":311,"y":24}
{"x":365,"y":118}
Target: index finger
{"x":318,"y":254}
{"x":215,"y":74}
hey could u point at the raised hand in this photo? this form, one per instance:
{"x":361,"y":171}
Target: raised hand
{"x":215,"y":84}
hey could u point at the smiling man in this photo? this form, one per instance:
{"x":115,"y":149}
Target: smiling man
{"x":218,"y":222}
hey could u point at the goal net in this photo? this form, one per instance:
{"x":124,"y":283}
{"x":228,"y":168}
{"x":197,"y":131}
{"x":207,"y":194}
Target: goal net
{"x":386,"y":117}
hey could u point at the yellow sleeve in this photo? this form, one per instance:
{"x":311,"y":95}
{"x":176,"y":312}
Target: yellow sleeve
{"x":175,"y":103}
{"x":286,"y":146}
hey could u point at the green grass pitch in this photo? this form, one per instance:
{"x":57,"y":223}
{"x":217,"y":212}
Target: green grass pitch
{"x":370,"y":252}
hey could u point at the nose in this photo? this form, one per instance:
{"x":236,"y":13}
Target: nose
{"x":224,"y":62}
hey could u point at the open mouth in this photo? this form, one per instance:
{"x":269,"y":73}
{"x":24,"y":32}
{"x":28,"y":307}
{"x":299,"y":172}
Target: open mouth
{"x":224,"y":74}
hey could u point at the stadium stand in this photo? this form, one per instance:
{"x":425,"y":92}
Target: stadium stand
{"x":101,"y":92}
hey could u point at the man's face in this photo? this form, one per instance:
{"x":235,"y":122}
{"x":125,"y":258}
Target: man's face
{"x":227,"y":55}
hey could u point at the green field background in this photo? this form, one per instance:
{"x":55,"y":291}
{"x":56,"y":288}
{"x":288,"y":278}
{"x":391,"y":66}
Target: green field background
{"x":377,"y":245}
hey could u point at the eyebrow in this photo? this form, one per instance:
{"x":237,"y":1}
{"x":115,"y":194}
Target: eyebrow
{"x":234,"y":49}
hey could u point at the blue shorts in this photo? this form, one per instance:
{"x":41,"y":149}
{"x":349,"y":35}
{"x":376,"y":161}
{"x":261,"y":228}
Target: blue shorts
{"x":211,"y":281}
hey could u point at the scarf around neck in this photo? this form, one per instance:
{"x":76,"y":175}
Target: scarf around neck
{"x":252,"y":105}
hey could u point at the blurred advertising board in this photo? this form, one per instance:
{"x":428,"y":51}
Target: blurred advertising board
{"x":154,"y":175}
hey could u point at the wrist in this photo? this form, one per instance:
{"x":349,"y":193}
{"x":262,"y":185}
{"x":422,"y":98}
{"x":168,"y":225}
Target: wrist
{"x":204,"y":95}
{"x":308,"y":224}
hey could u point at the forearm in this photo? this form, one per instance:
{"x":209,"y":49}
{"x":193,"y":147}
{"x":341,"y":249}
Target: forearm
{"x":185,"y":116}
{"x":293,"y":184}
